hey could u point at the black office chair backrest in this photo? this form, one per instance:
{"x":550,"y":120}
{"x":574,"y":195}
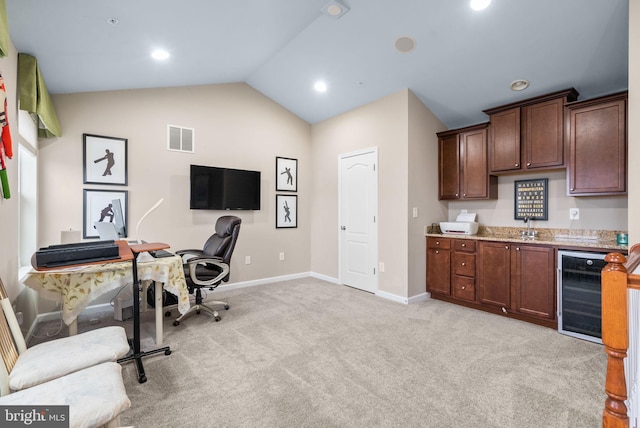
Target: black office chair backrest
{"x":222,"y":243}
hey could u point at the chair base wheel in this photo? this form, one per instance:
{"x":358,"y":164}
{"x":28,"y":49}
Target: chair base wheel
{"x":176,"y":323}
{"x":167,"y":314}
{"x":217,"y":319}
{"x":167,"y":352}
{"x":226,"y":307}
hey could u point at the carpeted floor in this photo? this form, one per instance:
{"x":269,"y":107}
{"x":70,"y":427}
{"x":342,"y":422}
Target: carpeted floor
{"x":307,"y":353}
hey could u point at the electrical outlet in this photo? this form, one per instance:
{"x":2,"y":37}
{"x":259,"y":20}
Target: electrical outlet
{"x":281,"y":256}
{"x":247,"y":260}
{"x":574,"y":214}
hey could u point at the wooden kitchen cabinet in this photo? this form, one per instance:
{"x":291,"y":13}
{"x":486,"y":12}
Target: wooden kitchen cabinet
{"x":533,"y":281}
{"x":463,"y":265}
{"x":439,"y":266}
{"x":597,"y":140}
{"x":462,"y":165}
{"x":528,"y":135}
{"x":494,"y":274}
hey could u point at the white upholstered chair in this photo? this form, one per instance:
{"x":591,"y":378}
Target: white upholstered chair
{"x":25,"y":368}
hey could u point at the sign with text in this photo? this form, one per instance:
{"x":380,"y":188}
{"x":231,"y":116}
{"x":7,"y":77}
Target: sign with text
{"x":34,"y":416}
{"x":531,"y":199}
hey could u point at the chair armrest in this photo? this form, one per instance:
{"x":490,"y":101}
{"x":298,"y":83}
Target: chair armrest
{"x":195,"y":261}
{"x":184,"y":252}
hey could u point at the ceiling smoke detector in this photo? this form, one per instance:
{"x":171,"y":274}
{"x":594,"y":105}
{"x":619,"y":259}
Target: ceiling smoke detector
{"x":335,"y":9}
{"x":519,"y":85}
{"x":405,"y":44}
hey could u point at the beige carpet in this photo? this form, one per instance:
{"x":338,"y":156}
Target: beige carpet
{"x":307,"y":353}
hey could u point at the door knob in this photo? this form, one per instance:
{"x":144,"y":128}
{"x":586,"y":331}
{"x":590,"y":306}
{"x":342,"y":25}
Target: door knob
{"x":343,"y":227}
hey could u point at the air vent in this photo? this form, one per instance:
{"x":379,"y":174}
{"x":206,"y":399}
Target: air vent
{"x":180,"y":139}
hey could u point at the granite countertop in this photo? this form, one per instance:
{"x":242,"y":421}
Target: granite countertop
{"x":589,"y":239}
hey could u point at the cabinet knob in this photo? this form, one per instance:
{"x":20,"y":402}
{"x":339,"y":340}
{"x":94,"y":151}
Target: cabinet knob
{"x":464,"y":245}
{"x":517,"y":165}
{"x":517,"y":248}
{"x":528,"y":163}
{"x":437,"y":242}
{"x":464,"y":264}
{"x":437,"y":252}
{"x":504,"y":309}
{"x":572,"y":189}
{"x":506,"y":247}
{"x":463,"y":287}
{"x":464,"y":194}
{"x":457,"y":195}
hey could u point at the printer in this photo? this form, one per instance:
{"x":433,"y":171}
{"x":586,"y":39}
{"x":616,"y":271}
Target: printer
{"x":465,"y":224}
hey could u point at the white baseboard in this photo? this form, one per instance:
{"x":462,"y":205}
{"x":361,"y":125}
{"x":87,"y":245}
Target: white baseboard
{"x":324,"y":277}
{"x":407,"y":301}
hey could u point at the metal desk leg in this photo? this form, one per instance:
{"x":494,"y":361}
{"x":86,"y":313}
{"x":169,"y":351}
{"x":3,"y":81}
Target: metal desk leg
{"x":159,"y":311}
{"x":137,"y":353}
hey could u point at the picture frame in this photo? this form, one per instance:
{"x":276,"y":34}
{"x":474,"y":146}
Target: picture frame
{"x":286,"y":211}
{"x":94,"y":209}
{"x":286,"y":174}
{"x":531,"y":199}
{"x":104,"y":160}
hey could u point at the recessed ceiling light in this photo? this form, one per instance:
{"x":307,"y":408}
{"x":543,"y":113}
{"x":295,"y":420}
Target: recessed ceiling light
{"x":320,"y":86}
{"x":160,"y":54}
{"x":479,"y":4}
{"x":519,"y":85}
{"x":335,"y":9}
{"x":405,"y":44}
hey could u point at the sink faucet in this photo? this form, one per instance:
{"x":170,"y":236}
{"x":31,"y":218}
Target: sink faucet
{"x":528,"y":233}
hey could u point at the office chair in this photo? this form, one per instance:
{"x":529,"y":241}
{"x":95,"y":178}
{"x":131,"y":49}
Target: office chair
{"x":26,"y":368}
{"x":208,"y":267}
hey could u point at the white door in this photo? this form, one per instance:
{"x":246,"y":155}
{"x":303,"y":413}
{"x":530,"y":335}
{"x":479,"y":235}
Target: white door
{"x":358,"y":206}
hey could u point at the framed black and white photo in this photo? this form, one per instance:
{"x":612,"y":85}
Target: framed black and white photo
{"x":103,"y":206}
{"x":286,"y":211}
{"x":105,"y":160}
{"x":286,"y":175}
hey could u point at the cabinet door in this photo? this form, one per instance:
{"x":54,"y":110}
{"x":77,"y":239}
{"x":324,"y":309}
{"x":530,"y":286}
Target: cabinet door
{"x":439,"y":271}
{"x":542,"y":134}
{"x":504,"y":141}
{"x":494,"y":274}
{"x":534,"y":280}
{"x":598,"y":147}
{"x":474,"y":174}
{"x":448,"y":168}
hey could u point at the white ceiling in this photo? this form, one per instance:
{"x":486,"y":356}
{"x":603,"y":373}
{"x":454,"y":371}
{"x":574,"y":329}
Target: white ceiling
{"x":463,"y":63}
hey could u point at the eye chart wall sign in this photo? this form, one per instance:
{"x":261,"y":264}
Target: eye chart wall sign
{"x":531,"y":199}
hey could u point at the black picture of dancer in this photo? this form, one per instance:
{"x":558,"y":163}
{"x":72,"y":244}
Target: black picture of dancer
{"x":289,"y":176}
{"x":286,"y":174}
{"x":287,"y":211}
{"x":110,"y":161}
{"x":107,"y":212}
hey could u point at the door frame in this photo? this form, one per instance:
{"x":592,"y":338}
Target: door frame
{"x":374,"y":240}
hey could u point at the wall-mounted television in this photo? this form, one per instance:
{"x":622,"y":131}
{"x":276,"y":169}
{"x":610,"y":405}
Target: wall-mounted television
{"x":214,"y":188}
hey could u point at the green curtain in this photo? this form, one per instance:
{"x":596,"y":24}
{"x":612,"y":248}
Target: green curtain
{"x":35,"y":98}
{"x":4,"y":30}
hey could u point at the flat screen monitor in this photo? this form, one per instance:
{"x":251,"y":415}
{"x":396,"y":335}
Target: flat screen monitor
{"x":214,"y":188}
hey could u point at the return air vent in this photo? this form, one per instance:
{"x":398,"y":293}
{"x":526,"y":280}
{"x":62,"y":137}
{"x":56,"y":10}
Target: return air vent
{"x":180,"y":139}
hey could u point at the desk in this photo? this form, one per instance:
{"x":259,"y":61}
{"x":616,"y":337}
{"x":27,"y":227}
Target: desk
{"x":75,"y":287}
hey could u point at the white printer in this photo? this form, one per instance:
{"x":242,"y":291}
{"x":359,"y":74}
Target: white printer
{"x":465,"y":224}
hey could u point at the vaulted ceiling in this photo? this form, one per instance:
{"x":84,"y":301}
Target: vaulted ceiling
{"x":462,"y":63}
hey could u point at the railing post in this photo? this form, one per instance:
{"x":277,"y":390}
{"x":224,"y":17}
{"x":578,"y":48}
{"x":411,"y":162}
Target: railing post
{"x":615,"y":340}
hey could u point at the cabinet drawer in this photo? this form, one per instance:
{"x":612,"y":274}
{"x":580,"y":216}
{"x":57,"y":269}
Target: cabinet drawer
{"x":442,"y":243}
{"x":464,"y":288}
{"x":464,"y":245}
{"x":464,"y":264}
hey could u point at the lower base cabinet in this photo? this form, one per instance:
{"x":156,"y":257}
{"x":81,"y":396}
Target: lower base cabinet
{"x":500,"y":277}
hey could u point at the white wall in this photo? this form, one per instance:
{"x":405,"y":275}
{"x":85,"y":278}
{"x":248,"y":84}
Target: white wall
{"x":423,"y":188}
{"x":235,"y":126}
{"x":602,"y":212}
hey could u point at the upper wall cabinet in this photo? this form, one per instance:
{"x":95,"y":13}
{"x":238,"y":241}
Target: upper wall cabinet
{"x":597,"y":140}
{"x":529,"y":134}
{"x":462,"y":169}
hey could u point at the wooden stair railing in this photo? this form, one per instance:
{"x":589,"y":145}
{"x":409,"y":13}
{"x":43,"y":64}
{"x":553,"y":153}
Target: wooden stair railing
{"x":615,"y":337}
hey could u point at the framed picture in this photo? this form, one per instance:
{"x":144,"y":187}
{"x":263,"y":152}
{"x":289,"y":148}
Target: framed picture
{"x":286,"y":211}
{"x":98,"y":205}
{"x":531,"y":199}
{"x":286,"y":175}
{"x":105,"y":160}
